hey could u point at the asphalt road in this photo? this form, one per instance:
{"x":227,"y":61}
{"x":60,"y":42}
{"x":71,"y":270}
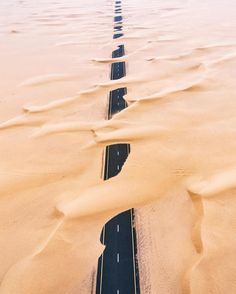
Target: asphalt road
{"x":117,"y":267}
{"x":117,"y":272}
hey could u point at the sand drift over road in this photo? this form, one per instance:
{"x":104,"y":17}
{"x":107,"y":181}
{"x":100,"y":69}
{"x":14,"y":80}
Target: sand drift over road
{"x":181,"y":174}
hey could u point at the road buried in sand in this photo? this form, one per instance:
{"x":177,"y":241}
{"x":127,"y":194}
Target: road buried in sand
{"x":117,"y":267}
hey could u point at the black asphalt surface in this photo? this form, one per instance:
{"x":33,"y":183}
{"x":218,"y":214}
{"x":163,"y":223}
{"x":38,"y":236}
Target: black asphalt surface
{"x":118,"y":264}
{"x":118,"y":28}
{"x":116,"y":101}
{"x":118,"y":18}
{"x":116,"y":36}
{"x":117,"y":267}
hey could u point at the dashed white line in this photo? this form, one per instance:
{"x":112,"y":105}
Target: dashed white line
{"x":118,"y":167}
{"x":118,"y":228}
{"x":118,"y":153}
{"x":117,"y":291}
{"x":118,"y":257}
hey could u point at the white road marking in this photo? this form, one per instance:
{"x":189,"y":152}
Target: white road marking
{"x":118,"y":258}
{"x":103,"y":241}
{"x":118,"y":167}
{"x":110,"y":105}
{"x":132,"y":234}
{"x":128,"y":148}
{"x":107,"y":169}
{"x":118,"y":153}
{"x":117,"y":291}
{"x":118,"y":228}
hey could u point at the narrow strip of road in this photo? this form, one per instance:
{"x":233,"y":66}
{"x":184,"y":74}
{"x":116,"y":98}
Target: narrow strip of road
{"x":117,"y":271}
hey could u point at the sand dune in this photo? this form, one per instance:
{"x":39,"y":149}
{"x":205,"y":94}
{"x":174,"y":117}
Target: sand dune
{"x":181,"y":173}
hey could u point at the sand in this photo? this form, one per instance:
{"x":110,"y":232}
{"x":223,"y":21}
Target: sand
{"x":180,"y":176}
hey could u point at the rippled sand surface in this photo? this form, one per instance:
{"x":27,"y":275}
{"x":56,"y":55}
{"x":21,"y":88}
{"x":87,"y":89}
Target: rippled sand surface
{"x":55,"y":61}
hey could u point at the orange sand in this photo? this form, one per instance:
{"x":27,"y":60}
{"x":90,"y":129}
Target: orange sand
{"x":180,"y":175}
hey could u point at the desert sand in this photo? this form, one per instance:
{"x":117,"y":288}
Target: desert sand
{"x":180,"y":177}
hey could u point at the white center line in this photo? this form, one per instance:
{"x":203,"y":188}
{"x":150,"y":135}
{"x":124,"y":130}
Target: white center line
{"x":118,"y":167}
{"x":118,"y":228}
{"x":118,"y":153}
{"x":117,"y":291}
{"x":118,"y":258}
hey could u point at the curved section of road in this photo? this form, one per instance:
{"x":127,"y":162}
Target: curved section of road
{"x":117,"y":271}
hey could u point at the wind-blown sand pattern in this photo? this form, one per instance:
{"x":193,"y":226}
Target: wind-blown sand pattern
{"x":180,"y":175}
